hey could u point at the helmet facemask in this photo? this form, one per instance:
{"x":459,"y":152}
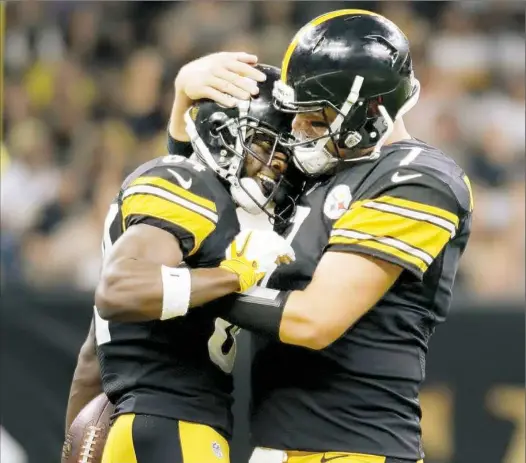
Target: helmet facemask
{"x":244,"y":144}
{"x":359,"y":124}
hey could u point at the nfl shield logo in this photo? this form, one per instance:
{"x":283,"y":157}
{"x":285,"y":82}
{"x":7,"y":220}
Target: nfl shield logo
{"x":216,"y":448}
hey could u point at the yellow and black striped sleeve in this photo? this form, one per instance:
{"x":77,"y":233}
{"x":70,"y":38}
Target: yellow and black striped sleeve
{"x":407,"y":225}
{"x":156,"y":201}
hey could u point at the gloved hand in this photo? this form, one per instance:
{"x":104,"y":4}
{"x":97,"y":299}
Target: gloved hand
{"x":253,"y":253}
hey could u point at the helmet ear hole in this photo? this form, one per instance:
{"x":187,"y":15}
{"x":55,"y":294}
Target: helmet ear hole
{"x":217,"y":120}
{"x":214,"y":131}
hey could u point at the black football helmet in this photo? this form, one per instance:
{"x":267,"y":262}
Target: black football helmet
{"x":357,"y":63}
{"x":222,"y":139}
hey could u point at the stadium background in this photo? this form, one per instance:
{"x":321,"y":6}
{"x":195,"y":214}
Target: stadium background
{"x":87,"y":92}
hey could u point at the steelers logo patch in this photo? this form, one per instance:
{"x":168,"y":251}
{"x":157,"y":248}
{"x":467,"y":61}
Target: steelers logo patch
{"x":337,"y":202}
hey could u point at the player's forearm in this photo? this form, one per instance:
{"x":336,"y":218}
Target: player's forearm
{"x":86,"y":383}
{"x":134,"y":290}
{"x":287,"y":316}
{"x":209,"y":284}
{"x":177,"y":127}
{"x":305,"y":323}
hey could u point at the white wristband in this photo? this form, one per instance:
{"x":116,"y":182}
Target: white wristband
{"x":177,"y":286}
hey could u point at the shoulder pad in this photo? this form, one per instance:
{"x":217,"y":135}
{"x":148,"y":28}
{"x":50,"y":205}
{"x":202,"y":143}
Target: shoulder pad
{"x":406,"y":160}
{"x":174,"y":171}
{"x":183,"y":198}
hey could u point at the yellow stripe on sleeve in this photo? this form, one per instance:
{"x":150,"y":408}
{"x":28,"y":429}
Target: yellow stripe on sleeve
{"x":385,"y":247}
{"x":470,"y":190}
{"x":179,"y":191}
{"x":408,"y":231}
{"x":416,"y":206}
{"x":427,"y":237}
{"x":148,"y":204}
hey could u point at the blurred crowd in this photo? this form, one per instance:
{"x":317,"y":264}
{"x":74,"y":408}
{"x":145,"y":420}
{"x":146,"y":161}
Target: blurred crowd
{"x":88,"y":88}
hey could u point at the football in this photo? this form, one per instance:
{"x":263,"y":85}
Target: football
{"x":86,"y":437}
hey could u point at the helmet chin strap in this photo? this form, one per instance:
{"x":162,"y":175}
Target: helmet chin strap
{"x":247,"y":194}
{"x":313,"y":160}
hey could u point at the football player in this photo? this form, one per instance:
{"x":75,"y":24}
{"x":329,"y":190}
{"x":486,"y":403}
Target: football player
{"x":167,"y":369}
{"x":378,"y":236}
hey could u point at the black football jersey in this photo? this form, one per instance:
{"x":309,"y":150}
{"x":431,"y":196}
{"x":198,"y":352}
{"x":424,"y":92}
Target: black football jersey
{"x":412,"y":207}
{"x":178,"y":368}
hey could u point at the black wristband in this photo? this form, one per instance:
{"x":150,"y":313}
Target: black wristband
{"x":182,"y":148}
{"x":261,"y":315}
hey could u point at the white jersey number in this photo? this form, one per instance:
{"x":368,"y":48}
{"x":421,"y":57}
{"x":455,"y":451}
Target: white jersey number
{"x":222,"y":346}
{"x":102,"y":331}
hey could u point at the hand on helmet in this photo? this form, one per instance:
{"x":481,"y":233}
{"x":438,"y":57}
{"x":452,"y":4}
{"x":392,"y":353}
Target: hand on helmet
{"x":222,"y":77}
{"x":255,"y":252}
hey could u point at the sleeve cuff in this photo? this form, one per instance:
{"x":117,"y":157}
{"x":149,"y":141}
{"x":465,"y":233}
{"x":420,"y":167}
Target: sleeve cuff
{"x":356,"y":248}
{"x":182,"y":148}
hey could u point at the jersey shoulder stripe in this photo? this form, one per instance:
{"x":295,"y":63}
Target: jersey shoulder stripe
{"x":190,"y":199}
{"x":156,"y":198}
{"x":416,"y":211}
{"x":408,"y":223}
{"x":409,"y":237}
{"x":381,"y":248}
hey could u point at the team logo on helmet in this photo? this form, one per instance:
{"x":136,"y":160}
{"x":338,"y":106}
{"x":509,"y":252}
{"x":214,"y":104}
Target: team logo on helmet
{"x":337,"y":202}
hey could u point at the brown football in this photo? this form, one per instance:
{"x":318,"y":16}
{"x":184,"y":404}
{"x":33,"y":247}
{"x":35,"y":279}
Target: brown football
{"x":87,"y":435}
